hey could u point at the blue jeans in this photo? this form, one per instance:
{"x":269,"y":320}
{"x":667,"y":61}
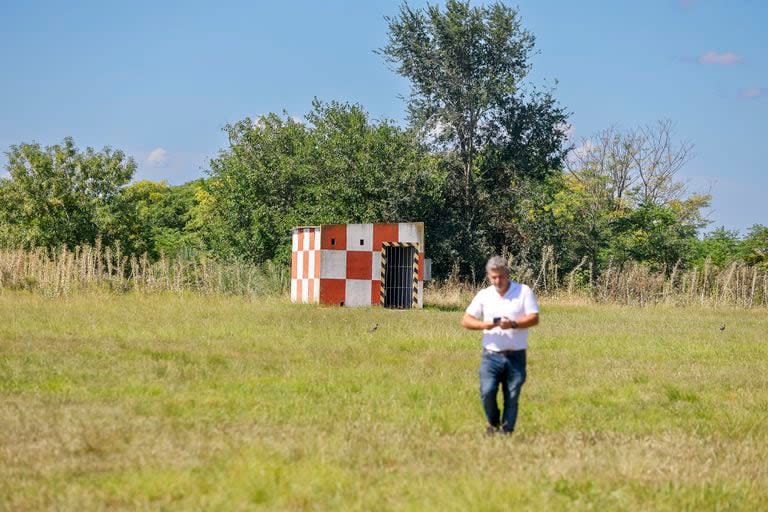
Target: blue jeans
{"x":509,"y":371}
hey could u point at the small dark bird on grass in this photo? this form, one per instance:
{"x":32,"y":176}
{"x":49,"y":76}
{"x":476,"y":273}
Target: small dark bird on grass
{"x":373,"y":329}
{"x":722,"y":327}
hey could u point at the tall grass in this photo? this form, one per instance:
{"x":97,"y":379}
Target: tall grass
{"x":633,"y":284}
{"x":735,"y":285}
{"x":62,"y":272}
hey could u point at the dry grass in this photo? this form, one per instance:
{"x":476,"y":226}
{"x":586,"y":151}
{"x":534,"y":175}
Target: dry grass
{"x":737,"y":285}
{"x":179,"y":401}
{"x":64,"y":272}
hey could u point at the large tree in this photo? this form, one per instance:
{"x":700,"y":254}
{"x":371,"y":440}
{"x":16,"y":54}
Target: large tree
{"x":60,"y":195}
{"x":338,"y":167}
{"x":622,"y":199}
{"x":463,"y":64}
{"x":154,"y":217}
{"x":498,"y":138}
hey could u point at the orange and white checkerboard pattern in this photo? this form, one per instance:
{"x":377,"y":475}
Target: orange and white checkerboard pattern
{"x":305,"y":265}
{"x":340,"y":264}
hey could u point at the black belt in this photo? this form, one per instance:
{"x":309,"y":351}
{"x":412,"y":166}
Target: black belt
{"x":502,"y":352}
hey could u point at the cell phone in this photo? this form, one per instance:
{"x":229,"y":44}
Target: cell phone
{"x":496,"y":320}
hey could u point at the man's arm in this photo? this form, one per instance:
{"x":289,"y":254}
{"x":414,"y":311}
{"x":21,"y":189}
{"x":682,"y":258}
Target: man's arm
{"x":475,"y":324}
{"x":528,"y":320}
{"x":529,"y":304}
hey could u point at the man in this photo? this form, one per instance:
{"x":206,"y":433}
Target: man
{"x":504,"y":311}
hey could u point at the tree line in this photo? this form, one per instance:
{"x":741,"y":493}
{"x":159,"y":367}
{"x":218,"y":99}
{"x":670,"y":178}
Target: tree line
{"x":484,"y":160}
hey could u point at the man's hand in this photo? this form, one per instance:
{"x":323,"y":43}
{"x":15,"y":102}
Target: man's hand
{"x":507,"y":323}
{"x":475,"y":324}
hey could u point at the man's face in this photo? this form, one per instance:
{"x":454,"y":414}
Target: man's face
{"x":499,"y":279}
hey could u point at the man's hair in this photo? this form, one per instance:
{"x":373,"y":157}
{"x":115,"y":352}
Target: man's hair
{"x":497,"y":263}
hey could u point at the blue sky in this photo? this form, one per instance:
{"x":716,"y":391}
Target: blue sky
{"x":160,"y":79}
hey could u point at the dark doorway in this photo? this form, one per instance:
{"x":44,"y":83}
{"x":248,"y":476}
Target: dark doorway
{"x":400,"y":264}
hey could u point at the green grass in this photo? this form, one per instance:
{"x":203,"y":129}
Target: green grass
{"x":200,"y":403}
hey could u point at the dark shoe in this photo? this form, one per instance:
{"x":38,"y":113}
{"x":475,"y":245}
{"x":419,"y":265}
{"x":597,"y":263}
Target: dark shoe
{"x":491,"y":430}
{"x":506,"y":432}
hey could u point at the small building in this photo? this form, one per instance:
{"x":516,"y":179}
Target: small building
{"x":359,"y":264}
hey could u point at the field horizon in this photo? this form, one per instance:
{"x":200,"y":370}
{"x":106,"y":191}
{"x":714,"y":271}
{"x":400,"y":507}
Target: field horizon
{"x":183,"y":401}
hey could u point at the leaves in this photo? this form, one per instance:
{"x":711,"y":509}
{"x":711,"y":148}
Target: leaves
{"x":496,"y":143}
{"x":59,"y":195}
{"x":338,"y":167}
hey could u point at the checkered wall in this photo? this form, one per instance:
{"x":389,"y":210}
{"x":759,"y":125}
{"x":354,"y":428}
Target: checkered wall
{"x":341,"y":263}
{"x":305,"y":265}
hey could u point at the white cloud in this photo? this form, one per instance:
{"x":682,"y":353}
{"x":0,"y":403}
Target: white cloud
{"x":584,"y":149}
{"x":177,"y":166}
{"x":580,"y":154}
{"x":158,"y":157}
{"x":752,"y":92}
{"x":721,"y":59}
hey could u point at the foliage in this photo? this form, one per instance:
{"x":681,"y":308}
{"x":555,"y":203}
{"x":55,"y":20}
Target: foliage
{"x":466,"y":66}
{"x":339,"y":167}
{"x":256,"y":182}
{"x":157,"y":218}
{"x":621,"y":201}
{"x":519,"y":167}
{"x":59,"y":195}
{"x":651,"y":234}
{"x":720,"y":246}
{"x":481,"y":164}
{"x":754,"y":247}
{"x":583,"y":216}
{"x":463,"y":64}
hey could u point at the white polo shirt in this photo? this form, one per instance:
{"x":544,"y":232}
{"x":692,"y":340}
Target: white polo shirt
{"x":488,"y":304}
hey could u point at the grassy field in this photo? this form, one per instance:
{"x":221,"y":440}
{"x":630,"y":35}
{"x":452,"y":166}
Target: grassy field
{"x":200,"y":403}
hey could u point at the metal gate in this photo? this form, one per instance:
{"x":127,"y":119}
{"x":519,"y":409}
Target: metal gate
{"x":399,"y":275}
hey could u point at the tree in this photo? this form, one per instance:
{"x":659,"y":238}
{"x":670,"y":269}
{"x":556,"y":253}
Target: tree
{"x":635,"y":167}
{"x":153,"y":218}
{"x":583,"y":213}
{"x":58,"y":195}
{"x":622,"y":199}
{"x":338,"y":167}
{"x":368,"y":171}
{"x":658,"y":158}
{"x":603,"y":165}
{"x":519,"y":166}
{"x":754,"y":246}
{"x":258,"y":184}
{"x":721,"y":246}
{"x":651,"y":234}
{"x":466,"y":66}
{"x":463,"y":64}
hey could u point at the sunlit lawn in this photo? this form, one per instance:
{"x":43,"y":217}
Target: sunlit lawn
{"x":192,"y":403}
